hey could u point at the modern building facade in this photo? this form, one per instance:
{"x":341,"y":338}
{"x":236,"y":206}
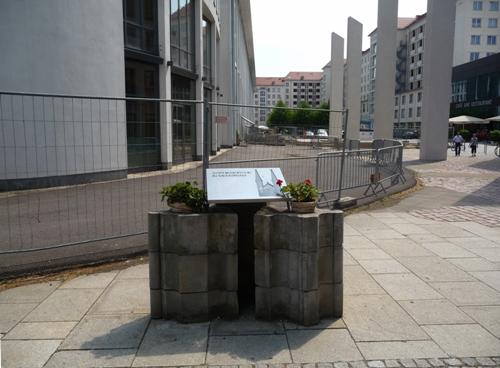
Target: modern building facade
{"x":476,"y":88}
{"x":477,"y":30}
{"x":268,"y":92}
{"x":165,"y":49}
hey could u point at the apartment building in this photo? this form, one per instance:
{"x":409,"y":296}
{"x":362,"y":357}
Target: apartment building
{"x":292,"y":89}
{"x":477,"y":32}
{"x":180,"y":49}
{"x":268,"y":92}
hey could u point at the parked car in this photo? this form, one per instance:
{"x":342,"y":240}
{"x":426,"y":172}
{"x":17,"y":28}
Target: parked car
{"x":410,"y":134}
{"x":309,"y":133}
{"x":322,"y":133}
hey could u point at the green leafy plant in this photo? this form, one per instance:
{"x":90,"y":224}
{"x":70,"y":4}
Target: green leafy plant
{"x":495,"y":135}
{"x":299,"y":192}
{"x":465,"y":133}
{"x":185,"y":193}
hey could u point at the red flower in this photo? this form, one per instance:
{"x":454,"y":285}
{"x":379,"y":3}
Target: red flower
{"x":279,"y":182}
{"x":308,"y":182}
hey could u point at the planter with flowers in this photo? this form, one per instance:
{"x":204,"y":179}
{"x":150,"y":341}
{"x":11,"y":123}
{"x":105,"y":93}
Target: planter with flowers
{"x":301,"y":196}
{"x":185,"y":197}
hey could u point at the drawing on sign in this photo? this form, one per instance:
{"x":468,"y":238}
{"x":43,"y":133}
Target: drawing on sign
{"x":269,"y":189}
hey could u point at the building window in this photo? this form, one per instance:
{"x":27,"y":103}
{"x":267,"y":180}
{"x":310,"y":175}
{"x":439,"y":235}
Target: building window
{"x":492,"y":23}
{"x":475,"y":40}
{"x":410,"y":98}
{"x":412,"y":72}
{"x":419,"y":71}
{"x":493,"y":5}
{"x":419,"y":84}
{"x":477,"y":5}
{"x":403,"y":113}
{"x":411,"y":85}
{"x":182,"y":33}
{"x":419,"y":111}
{"x":396,"y":101}
{"x":403,"y":100}
{"x":395,"y":114}
{"x":476,"y":22}
{"x":419,"y":96}
{"x":207,"y":51}
{"x":141,"y":22}
{"x":421,"y":29}
{"x":474,"y":56}
{"x":492,"y":40}
{"x":410,"y":112}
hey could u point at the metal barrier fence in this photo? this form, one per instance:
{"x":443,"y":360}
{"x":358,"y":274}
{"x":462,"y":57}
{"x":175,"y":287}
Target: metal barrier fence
{"x":80,"y":169}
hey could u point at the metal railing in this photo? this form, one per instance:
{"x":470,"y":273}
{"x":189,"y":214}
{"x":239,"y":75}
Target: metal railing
{"x":76,"y":170}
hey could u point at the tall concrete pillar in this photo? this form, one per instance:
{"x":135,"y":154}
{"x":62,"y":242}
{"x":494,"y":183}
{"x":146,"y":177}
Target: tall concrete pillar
{"x":438,"y":60}
{"x":385,"y":79}
{"x":336,"y":85}
{"x":198,"y":47}
{"x":354,"y":46}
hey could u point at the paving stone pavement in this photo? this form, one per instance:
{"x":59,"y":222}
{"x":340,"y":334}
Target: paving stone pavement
{"x":422,"y":290}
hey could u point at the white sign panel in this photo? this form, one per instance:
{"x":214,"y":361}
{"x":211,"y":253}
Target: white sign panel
{"x":244,"y":185}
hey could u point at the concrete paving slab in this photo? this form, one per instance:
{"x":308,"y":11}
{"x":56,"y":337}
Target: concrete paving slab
{"x":359,"y":254}
{"x":475,"y":264}
{"x":433,"y":269}
{"x":246,"y":324}
{"x":447,"y":250}
{"x":358,"y":242}
{"x":124,"y":297}
{"x":322,"y":346}
{"x":358,"y":282}
{"x":323,"y":324}
{"x":64,"y":305}
{"x":464,"y":340}
{"x":447,"y":230}
{"x":490,"y":278}
{"x":93,"y":281}
{"x":383,"y":266}
{"x":382,"y":234}
{"x":40,"y":331}
{"x":34,"y":293}
{"x":27,"y":353}
{"x":379,"y":318}
{"x":349,"y":230}
{"x":12,"y":314}
{"x":232,"y":350}
{"x":168,"y":343}
{"x":486,"y":316}
{"x":107,"y":332}
{"x":135,"y":272}
{"x":408,"y":229}
{"x":402,"y":248}
{"x":426,"y":237}
{"x":435,"y":312}
{"x":468,"y":293}
{"x":406,"y":286}
{"x":92,"y":358}
{"x":475,"y":243}
{"x":491,"y":254}
{"x":401,"y":350}
{"x":348,"y":260}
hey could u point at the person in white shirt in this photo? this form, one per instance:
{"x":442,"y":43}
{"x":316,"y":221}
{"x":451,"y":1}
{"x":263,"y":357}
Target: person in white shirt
{"x":458,"y":140}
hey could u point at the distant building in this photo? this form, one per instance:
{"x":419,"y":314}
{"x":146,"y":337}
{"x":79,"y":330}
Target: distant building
{"x":477,"y":30}
{"x":292,"y":89}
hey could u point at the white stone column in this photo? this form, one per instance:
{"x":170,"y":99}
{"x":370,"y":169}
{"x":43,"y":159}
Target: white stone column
{"x":165,"y":85}
{"x":353,"y":102}
{"x":385,"y":79}
{"x":336,"y":86}
{"x":437,"y":68}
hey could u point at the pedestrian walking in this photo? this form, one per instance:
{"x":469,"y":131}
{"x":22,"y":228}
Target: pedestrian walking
{"x":458,"y":140}
{"x":473,"y":145}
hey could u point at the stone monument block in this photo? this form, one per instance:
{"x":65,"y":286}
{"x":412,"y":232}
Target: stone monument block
{"x":297,"y":274}
{"x":193,"y":265}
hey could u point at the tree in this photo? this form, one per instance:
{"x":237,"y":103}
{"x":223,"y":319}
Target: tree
{"x":321,"y":119}
{"x":279,"y":116}
{"x":303,"y":118}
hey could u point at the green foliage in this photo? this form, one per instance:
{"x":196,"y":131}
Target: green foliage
{"x":495,"y":135}
{"x":465,"y":133}
{"x":321,"y":118}
{"x":279,"y":116}
{"x":185,"y":193}
{"x":303,"y":117}
{"x":301,"y":192}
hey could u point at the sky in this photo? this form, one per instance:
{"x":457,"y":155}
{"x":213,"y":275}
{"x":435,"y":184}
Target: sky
{"x":294,"y":35}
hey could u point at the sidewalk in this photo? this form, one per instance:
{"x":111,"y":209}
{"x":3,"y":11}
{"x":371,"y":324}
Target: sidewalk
{"x":422,"y":289}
